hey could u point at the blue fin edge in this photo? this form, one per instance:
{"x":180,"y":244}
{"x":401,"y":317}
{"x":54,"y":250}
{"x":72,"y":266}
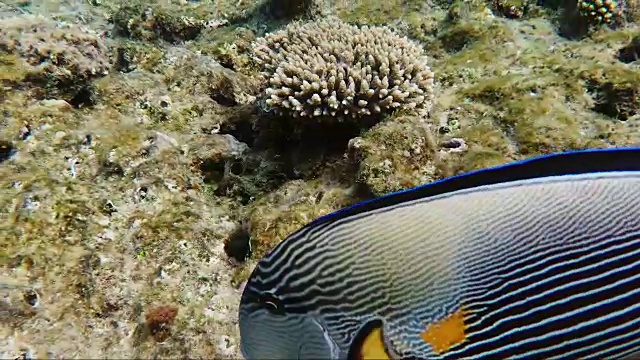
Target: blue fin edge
{"x":557,"y":164}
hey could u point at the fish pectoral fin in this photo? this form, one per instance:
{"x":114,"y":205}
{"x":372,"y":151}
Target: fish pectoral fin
{"x":373,"y":346}
{"x":369,"y":344}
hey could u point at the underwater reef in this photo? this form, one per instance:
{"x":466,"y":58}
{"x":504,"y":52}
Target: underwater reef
{"x":152,"y":151}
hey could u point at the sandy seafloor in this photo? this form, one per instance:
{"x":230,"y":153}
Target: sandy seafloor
{"x":133,"y":172}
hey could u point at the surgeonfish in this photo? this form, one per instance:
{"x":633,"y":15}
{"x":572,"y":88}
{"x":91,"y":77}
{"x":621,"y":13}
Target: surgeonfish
{"x":538,"y":259}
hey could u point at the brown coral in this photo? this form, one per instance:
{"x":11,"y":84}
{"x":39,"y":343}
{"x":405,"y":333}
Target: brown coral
{"x":159,"y":320}
{"x":331,"y":68}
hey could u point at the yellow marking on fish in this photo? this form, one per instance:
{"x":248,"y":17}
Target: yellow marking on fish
{"x":373,"y":347}
{"x":446,"y":333}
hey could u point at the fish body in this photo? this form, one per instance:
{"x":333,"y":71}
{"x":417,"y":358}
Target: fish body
{"x":538,"y":259}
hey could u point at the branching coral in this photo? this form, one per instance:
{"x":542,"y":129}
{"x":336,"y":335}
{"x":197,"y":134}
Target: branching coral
{"x":330,"y":68}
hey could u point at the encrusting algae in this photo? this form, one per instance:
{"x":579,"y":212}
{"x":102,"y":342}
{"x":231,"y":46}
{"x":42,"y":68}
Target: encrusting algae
{"x":136,"y":142}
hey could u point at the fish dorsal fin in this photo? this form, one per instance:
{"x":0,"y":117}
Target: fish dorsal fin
{"x":559,"y":164}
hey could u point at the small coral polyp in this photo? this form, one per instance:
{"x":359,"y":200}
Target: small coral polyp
{"x":598,"y":11}
{"x":330,"y":68}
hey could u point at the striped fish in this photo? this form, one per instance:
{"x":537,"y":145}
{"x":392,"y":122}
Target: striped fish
{"x":538,"y":259}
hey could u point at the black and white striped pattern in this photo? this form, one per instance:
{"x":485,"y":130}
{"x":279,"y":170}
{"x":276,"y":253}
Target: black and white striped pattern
{"x":547,"y":268}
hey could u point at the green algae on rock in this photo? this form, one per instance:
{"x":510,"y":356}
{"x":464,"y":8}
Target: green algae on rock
{"x":296,"y":203}
{"x":117,"y":193}
{"x":60,"y":59}
{"x":229,"y":45}
{"x":12,"y":71}
{"x":116,"y":210}
{"x":373,"y":12}
{"x":630,"y":52}
{"x":394,"y":155}
{"x":616,"y":88}
{"x":149,"y":21}
{"x":133,"y":54}
{"x":97,"y":244}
